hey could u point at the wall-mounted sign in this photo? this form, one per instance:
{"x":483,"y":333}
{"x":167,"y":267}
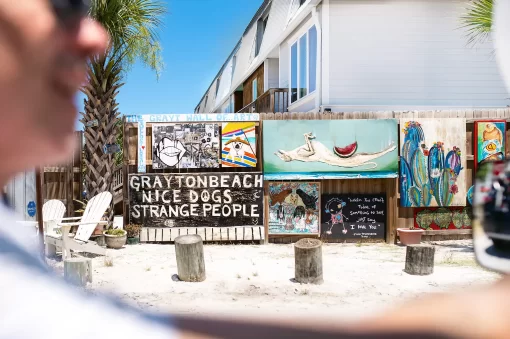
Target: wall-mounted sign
{"x":142,"y":120}
{"x":31,"y":211}
{"x":200,"y":199}
{"x":352,"y":216}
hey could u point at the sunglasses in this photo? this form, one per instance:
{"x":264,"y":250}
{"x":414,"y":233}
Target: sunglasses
{"x":70,"y":11}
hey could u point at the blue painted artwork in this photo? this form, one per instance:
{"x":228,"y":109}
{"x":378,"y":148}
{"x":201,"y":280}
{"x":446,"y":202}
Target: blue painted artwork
{"x":432,"y":163}
{"x":31,"y":209}
{"x":321,"y":149}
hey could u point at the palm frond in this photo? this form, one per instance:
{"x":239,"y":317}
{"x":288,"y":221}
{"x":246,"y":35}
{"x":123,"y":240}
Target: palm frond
{"x":478,"y":20}
{"x":133,"y":28}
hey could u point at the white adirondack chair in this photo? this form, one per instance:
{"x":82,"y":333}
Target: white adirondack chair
{"x":52,"y":210}
{"x":87,"y":223}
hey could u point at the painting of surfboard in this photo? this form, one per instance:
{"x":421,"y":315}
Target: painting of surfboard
{"x":322,"y":149}
{"x":239,"y":144}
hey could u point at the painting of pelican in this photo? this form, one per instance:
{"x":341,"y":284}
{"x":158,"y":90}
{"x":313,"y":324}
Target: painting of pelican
{"x":321,"y":149}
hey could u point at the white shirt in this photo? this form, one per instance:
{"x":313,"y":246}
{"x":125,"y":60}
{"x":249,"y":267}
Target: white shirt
{"x":35,"y":303}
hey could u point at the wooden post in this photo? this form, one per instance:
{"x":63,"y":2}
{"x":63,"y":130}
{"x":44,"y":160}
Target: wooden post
{"x":78,"y":271}
{"x":308,"y":261}
{"x":189,"y":252}
{"x":420,"y":259}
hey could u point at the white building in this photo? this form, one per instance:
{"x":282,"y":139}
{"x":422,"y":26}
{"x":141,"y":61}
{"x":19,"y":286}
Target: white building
{"x":356,"y":55}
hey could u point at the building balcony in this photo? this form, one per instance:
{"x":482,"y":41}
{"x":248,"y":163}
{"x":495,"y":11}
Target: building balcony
{"x":274,"y":100}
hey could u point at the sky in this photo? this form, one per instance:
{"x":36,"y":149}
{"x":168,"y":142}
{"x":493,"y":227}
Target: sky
{"x":197,"y":37}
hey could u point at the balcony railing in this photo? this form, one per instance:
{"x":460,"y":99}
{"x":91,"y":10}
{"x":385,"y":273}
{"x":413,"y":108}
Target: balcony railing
{"x":274,"y":100}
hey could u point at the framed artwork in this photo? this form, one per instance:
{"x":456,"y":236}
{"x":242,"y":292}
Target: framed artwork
{"x":489,"y":141}
{"x":185,"y":146}
{"x":239,"y":147}
{"x":433,"y":162}
{"x":322,"y":149}
{"x":294,"y":208}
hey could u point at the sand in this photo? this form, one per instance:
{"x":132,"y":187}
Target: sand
{"x":359,"y":280}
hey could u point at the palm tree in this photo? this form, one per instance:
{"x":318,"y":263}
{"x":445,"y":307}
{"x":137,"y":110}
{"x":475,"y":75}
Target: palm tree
{"x":132,"y":26}
{"x":478,"y":20}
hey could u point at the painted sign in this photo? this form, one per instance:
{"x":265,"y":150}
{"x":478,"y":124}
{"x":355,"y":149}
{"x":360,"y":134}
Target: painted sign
{"x":185,"y":146}
{"x":142,"y":121}
{"x":294,"y":208}
{"x":194,"y":200}
{"x":320,"y":149}
{"x":239,"y":144}
{"x":433,"y":162}
{"x":490,"y":141}
{"x":31,"y":211}
{"x":351,"y":216}
{"x":111,"y":148}
{"x":443,"y":218}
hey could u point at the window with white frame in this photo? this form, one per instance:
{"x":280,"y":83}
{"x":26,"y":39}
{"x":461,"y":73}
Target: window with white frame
{"x":254,"y":86}
{"x":303,"y":65}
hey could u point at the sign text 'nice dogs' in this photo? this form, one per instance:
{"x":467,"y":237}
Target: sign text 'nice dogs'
{"x":201,"y":199}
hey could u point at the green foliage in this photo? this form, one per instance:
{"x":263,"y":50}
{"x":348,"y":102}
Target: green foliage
{"x":132,"y":26}
{"x":133,"y":231}
{"x":478,"y":20}
{"x":115,"y":232}
{"x":119,"y":139}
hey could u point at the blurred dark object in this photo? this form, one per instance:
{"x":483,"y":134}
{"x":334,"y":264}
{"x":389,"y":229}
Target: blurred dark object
{"x":69,"y":11}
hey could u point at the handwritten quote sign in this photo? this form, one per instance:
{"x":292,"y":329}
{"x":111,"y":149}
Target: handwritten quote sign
{"x":201,"y":199}
{"x":351,"y":216}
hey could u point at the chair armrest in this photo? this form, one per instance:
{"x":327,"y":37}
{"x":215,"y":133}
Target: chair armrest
{"x":71,"y":218}
{"x":28,"y":223}
{"x":70,"y":224}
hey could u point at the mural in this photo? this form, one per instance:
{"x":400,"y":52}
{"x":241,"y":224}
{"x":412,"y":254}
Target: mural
{"x":294,"y":207}
{"x":318,"y":149}
{"x":443,"y":218}
{"x":490,"y":141}
{"x":432,"y":163}
{"x":239,"y":144}
{"x":185,"y":146}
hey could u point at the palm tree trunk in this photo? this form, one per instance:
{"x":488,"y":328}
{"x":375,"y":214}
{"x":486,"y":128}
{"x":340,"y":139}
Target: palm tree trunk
{"x":100,"y":105}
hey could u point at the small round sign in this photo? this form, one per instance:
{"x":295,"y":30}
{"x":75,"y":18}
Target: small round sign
{"x":31,"y":209}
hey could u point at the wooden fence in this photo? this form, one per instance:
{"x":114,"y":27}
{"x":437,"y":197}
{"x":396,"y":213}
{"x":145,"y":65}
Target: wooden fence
{"x":64,"y":181}
{"x":396,"y":216}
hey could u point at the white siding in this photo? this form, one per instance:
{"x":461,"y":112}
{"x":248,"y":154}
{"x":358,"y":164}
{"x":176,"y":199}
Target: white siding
{"x":271,"y":75}
{"x":407,"y":52}
{"x":20,"y":192}
{"x":225,"y":84}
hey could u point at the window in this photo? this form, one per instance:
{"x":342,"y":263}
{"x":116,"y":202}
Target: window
{"x":303,"y":65}
{"x":217,"y":87}
{"x":312,"y":56}
{"x":293,"y":72}
{"x":234,"y":61}
{"x":254,"y":89}
{"x":261,"y":28}
{"x":205,"y":103}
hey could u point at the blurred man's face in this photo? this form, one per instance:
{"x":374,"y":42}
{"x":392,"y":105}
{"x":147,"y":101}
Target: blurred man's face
{"x":42,"y":65}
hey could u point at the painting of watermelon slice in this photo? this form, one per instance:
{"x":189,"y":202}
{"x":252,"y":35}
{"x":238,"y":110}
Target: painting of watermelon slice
{"x":347,"y":151}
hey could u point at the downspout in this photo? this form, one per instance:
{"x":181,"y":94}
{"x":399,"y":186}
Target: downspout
{"x":318,"y":97}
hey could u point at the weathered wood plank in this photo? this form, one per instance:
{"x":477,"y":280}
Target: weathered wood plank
{"x":201,"y":232}
{"x":144,"y":234}
{"x":166,"y":235}
{"x":258,"y":233}
{"x":449,"y":232}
